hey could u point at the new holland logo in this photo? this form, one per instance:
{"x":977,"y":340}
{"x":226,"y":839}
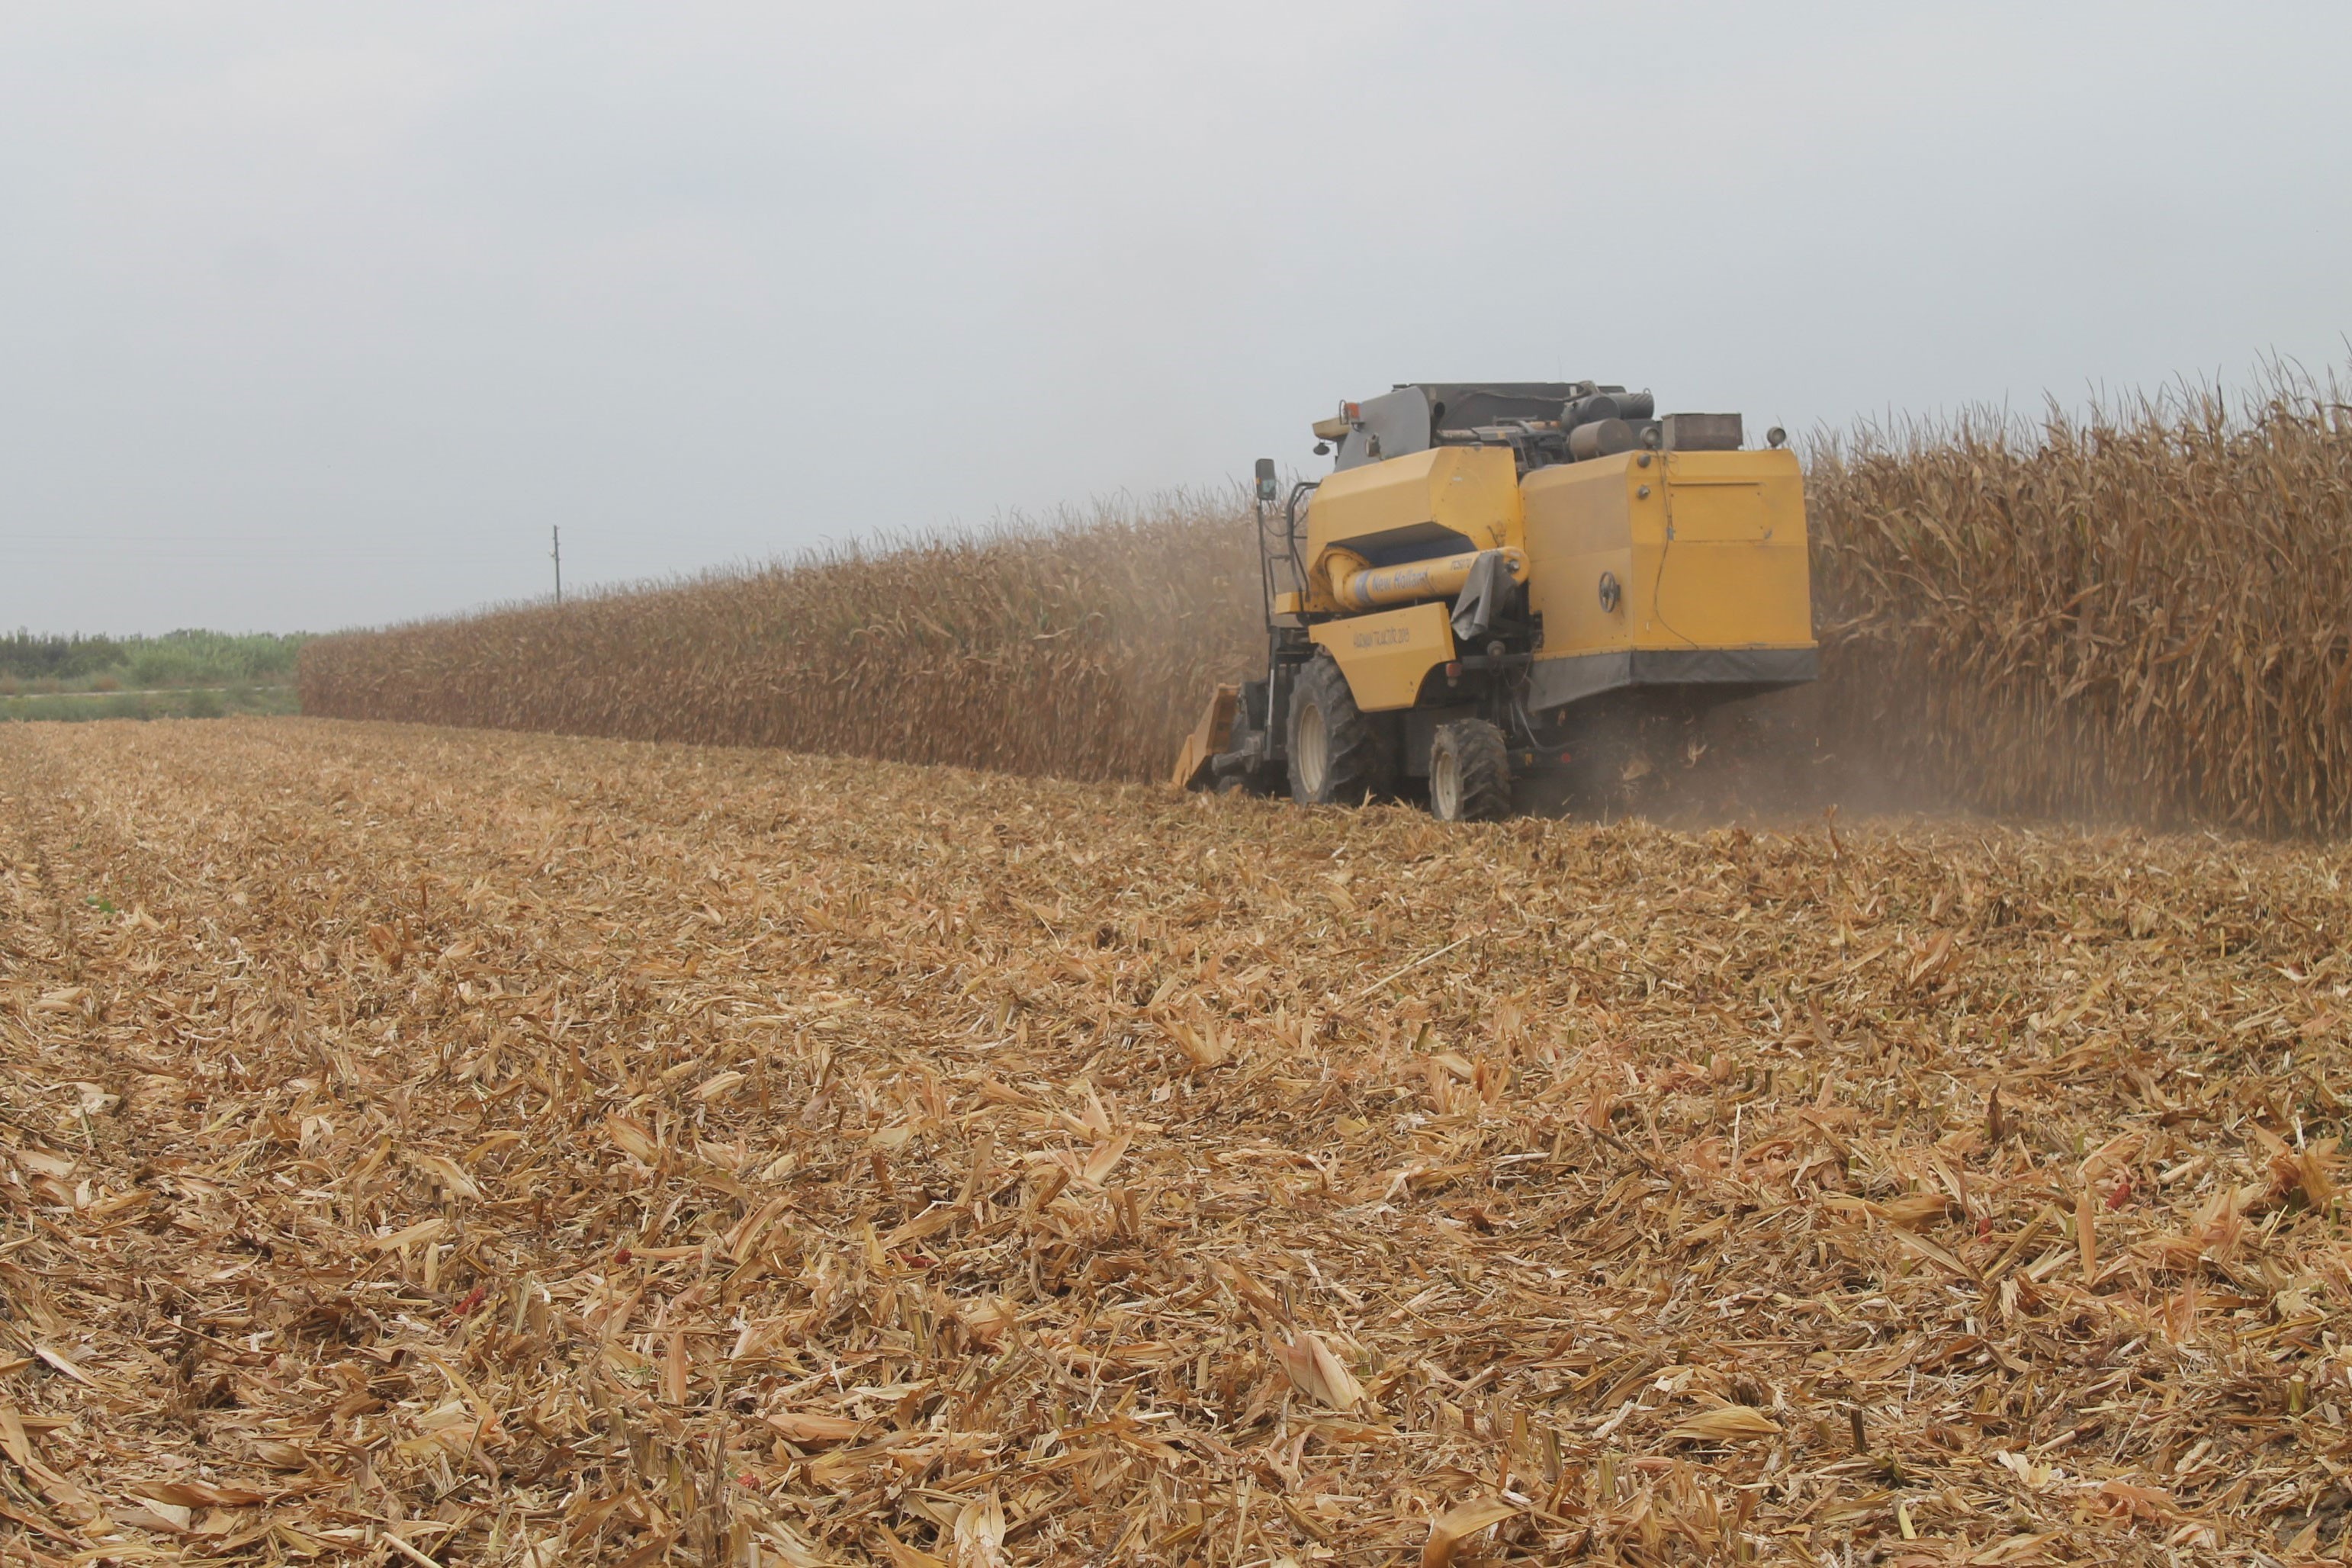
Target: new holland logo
{"x":1383,"y":638}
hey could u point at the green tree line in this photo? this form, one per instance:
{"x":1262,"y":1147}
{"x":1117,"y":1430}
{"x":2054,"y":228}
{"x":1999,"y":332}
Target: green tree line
{"x":30,"y":661}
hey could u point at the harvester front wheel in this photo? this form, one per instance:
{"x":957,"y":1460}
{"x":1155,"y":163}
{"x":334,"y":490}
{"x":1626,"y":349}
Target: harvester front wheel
{"x":1469,"y":773}
{"x":1337,"y":755}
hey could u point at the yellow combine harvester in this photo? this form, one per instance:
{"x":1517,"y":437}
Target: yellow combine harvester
{"x":1490,"y":572}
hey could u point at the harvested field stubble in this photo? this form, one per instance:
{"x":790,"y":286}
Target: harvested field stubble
{"x":533,"y":1149}
{"x":2136,"y":616}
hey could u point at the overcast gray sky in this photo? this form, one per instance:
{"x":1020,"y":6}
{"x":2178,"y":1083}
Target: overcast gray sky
{"x":321,"y":315}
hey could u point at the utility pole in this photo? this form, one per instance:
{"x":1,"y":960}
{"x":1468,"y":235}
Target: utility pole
{"x":557,"y":554}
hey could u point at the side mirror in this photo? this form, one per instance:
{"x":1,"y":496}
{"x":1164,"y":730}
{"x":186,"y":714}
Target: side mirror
{"x":1269,"y":485}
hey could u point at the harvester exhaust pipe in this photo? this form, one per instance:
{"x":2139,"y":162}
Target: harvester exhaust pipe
{"x":1601,"y":438}
{"x":1599,"y":405}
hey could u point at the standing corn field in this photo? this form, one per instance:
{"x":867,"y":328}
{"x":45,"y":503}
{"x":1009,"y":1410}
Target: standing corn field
{"x":1076,"y":648}
{"x":2137,"y":613}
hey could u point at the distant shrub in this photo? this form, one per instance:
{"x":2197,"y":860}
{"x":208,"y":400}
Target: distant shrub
{"x":57,"y":658}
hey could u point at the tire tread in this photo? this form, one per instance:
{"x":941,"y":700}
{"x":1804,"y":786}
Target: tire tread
{"x":1484,"y":759}
{"x":1362,"y":760}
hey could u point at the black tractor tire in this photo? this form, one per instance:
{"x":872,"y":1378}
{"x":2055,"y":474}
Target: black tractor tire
{"x":1339,"y":755}
{"x":1469,"y":773}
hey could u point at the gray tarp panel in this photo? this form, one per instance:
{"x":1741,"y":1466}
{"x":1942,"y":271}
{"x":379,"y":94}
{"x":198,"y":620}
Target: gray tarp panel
{"x":1482,"y":597}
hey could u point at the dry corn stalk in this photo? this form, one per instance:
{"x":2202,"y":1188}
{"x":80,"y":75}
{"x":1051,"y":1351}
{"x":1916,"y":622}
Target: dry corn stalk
{"x":1450,"y":1529}
{"x":1724,"y":1424}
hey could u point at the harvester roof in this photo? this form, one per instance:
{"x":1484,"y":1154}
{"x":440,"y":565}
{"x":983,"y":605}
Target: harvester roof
{"x":1414,"y":417}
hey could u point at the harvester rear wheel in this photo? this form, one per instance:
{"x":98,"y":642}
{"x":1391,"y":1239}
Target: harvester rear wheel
{"x":1469,"y":773}
{"x":1337,"y":755}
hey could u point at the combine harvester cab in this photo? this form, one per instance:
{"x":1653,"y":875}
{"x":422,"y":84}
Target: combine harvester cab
{"x":1486,"y":570}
